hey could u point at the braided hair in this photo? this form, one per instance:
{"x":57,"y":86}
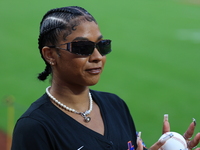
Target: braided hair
{"x":53,"y":23}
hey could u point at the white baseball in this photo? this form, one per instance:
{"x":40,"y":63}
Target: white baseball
{"x":177,"y":142}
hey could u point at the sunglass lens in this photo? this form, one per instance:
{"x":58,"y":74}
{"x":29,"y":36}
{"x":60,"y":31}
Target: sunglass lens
{"x":104,"y":47}
{"x":86,"y":48}
{"x":82,"y":47}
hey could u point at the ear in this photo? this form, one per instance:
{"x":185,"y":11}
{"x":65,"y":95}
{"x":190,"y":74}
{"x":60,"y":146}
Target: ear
{"x":48,"y":54}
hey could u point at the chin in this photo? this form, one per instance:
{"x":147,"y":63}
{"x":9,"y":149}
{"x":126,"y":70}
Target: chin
{"x":93,"y":82}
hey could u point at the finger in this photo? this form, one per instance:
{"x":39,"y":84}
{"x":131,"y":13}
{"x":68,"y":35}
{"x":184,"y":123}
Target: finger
{"x":194,"y":142}
{"x":161,"y":142}
{"x":139,"y":142}
{"x":166,"y":125}
{"x":197,"y":149}
{"x":139,"y":145}
{"x":189,"y":132}
{"x":139,"y":137}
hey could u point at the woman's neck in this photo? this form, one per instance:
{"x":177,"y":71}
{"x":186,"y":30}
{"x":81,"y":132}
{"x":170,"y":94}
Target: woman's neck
{"x":73,"y":97}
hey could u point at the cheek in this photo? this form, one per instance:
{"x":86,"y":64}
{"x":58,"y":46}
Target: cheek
{"x":104,"y":61}
{"x":77,"y":64}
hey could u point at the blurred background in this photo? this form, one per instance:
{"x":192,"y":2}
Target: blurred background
{"x":154,"y":65}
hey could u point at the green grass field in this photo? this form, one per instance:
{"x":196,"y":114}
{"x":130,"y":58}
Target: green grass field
{"x":154,"y":65}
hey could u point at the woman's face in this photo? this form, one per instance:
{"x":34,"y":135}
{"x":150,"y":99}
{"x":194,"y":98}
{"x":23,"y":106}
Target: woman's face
{"x":72,"y":69}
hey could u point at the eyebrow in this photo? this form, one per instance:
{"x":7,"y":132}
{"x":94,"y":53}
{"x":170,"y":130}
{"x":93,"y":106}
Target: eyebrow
{"x":86,"y":39}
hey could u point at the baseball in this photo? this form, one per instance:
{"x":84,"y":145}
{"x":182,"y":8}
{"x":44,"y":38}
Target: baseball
{"x":177,"y":142}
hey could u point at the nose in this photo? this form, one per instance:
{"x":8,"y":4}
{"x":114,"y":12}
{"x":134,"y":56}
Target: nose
{"x":96,"y":56}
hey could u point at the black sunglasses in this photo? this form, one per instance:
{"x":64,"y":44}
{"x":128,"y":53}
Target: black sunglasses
{"x":86,"y":48}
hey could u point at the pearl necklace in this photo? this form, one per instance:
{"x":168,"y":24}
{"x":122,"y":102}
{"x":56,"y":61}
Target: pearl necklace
{"x":83,"y":114}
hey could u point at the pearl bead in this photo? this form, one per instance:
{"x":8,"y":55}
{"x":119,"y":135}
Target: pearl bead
{"x":87,"y":119}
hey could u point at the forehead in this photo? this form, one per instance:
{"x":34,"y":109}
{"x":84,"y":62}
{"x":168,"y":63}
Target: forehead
{"x":85,"y":30}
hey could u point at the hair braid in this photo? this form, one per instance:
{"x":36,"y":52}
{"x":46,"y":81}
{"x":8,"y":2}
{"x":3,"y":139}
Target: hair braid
{"x":61,"y":10}
{"x":43,"y":75}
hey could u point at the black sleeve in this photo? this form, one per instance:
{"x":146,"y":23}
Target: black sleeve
{"x":30,"y":134}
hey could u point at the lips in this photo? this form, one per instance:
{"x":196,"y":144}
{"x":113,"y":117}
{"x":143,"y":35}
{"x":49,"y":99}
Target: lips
{"x":94,"y":70}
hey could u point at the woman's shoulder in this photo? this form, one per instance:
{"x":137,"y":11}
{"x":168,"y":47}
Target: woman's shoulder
{"x":36,"y":107}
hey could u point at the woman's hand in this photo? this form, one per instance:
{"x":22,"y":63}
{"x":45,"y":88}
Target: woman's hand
{"x":161,"y":142}
{"x":166,"y":128}
{"x":187,"y":135}
{"x":156,"y":146}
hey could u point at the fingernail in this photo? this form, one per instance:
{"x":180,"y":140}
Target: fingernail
{"x":194,"y":120}
{"x":167,"y":137}
{"x":139,"y":134}
{"x":165,"y":117}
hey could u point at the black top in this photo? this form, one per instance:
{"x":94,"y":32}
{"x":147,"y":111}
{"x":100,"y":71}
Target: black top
{"x":45,"y":127}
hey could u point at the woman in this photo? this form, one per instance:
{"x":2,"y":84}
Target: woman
{"x":69,"y":115}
